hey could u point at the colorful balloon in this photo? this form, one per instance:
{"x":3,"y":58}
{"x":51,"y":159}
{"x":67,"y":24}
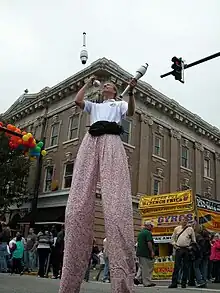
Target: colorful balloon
{"x":24,"y":142}
{"x":29,"y":135}
{"x":11,"y":145}
{"x":11,"y":127}
{"x":43,"y":153}
{"x":30,"y":139}
{"x":19,"y":141}
{"x":40,"y":144}
{"x":17,"y":130}
{"x":25,"y":137}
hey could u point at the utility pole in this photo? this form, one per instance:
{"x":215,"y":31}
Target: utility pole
{"x":190,"y":65}
{"x":39,"y":167}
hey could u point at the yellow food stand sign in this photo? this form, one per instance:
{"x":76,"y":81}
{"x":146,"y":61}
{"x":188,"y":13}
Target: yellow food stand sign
{"x":163,"y":270}
{"x":166,"y":203}
{"x":165,"y":212}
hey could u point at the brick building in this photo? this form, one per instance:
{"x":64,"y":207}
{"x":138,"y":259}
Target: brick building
{"x":168,"y":147}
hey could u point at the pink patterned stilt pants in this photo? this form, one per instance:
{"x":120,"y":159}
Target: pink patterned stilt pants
{"x":104,"y":155}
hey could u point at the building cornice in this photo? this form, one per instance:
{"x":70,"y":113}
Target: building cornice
{"x":145,"y":92}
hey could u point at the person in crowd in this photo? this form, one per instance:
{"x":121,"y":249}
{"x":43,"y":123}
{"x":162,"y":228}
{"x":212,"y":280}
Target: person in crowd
{"x":181,"y":239}
{"x":101,"y":152}
{"x":3,"y":255}
{"x":4,"y":251}
{"x":138,"y":276}
{"x":180,"y":275}
{"x":211,"y":272}
{"x":93,"y":261}
{"x":13,"y":240}
{"x":101,"y":263}
{"x":210,"y":263}
{"x":106,"y":274}
{"x":196,"y":252}
{"x":145,"y":253}
{"x":43,"y":244}
{"x":57,"y":258}
{"x":54,"y":259}
{"x":6,"y":232}
{"x":215,"y":257}
{"x":95,"y":252}
{"x":206,"y":252}
{"x":54,"y":231}
{"x":87,"y":273}
{"x":30,"y":251}
{"x":17,"y":251}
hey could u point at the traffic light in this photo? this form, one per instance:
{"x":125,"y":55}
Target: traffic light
{"x":178,"y":69}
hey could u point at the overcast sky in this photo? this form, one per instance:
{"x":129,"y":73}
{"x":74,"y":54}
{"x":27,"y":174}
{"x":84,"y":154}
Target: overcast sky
{"x":40,"y":42}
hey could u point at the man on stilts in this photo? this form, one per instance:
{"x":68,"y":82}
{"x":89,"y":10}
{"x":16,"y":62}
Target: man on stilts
{"x":101,"y":153}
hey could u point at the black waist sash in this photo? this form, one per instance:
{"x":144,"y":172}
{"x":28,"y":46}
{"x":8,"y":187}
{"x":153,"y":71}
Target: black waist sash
{"x":105,"y":127}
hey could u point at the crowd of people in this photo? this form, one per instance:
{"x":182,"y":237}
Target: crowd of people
{"x":196,"y":253}
{"x":42,"y":252}
{"x":99,"y":258}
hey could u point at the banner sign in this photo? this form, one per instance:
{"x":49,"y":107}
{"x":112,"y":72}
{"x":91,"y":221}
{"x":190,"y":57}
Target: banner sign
{"x":163,"y":270}
{"x":170,"y":203}
{"x":169,"y":220}
{"x":208,"y":213}
{"x":162,"y":239}
{"x":165,"y":224}
{"x":207,"y":204}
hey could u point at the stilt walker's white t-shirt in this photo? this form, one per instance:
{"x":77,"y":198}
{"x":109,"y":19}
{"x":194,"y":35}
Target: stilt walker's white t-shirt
{"x":110,"y":110}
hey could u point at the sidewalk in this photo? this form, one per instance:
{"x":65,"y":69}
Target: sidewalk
{"x":92,"y":276}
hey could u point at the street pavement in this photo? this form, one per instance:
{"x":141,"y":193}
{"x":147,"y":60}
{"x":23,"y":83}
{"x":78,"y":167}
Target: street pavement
{"x":31,"y":284}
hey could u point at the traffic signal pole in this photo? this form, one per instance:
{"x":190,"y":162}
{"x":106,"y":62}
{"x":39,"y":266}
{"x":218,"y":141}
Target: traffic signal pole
{"x":194,"y":63}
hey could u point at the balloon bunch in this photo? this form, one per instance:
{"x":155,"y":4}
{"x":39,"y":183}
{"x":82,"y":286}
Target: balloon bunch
{"x":23,"y":141}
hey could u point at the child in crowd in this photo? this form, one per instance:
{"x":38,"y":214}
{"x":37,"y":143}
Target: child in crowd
{"x":17,"y":251}
{"x":101,"y":263}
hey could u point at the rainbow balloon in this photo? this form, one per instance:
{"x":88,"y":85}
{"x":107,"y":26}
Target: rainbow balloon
{"x":23,"y":141}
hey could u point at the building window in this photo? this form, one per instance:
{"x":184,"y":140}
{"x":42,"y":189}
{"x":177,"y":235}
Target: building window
{"x":73,"y":127}
{"x":157,"y":146}
{"x":54,"y":134}
{"x":126,"y":124}
{"x":185,"y":157}
{"x":207,"y":172}
{"x":156,"y":187}
{"x":48,"y":178}
{"x":68,"y":174}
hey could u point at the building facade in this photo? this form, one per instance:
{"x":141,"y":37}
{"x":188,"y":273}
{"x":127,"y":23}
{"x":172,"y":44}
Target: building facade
{"x":168,"y":147}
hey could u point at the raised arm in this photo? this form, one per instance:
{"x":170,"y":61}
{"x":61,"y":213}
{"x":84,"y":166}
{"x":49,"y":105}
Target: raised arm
{"x":131,"y":101}
{"x":79,"y":99}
